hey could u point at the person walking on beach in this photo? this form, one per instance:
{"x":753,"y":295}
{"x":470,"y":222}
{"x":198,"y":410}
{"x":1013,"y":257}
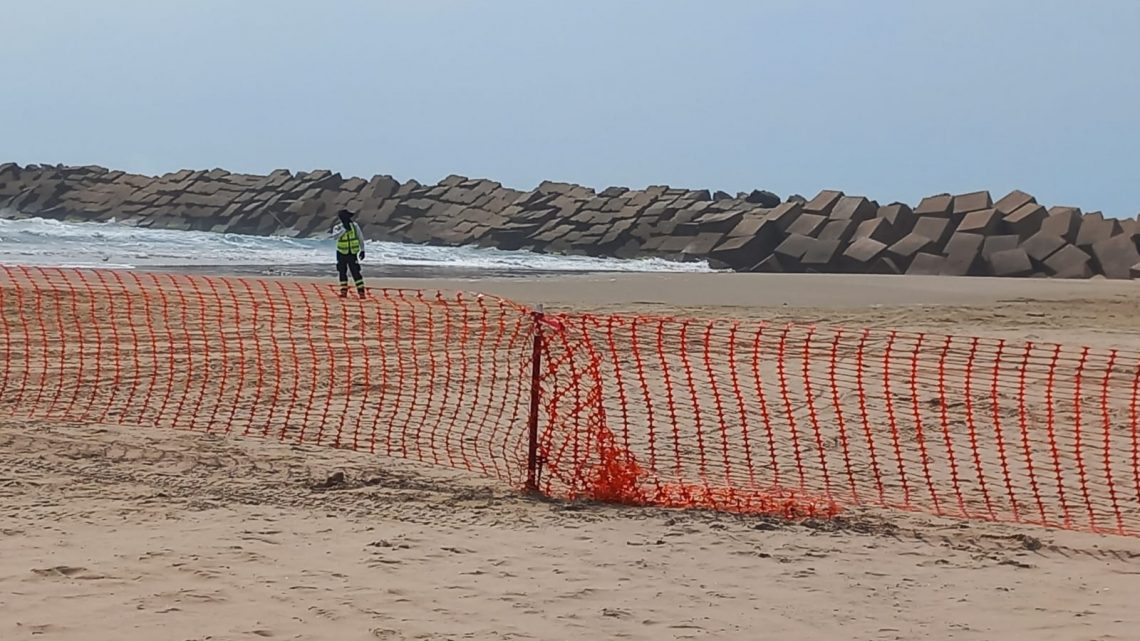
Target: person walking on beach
{"x":349,"y":248}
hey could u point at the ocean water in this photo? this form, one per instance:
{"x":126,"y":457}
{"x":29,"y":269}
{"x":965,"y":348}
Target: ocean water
{"x":36,"y":241}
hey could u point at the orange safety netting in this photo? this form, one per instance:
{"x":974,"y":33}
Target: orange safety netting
{"x":708,"y":413}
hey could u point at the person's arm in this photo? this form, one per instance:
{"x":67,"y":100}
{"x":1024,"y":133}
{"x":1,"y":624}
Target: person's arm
{"x":360,"y":236}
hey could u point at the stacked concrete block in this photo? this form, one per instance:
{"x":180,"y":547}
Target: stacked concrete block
{"x":1064,"y":222}
{"x":925,"y":264}
{"x":862,"y":254}
{"x":998,"y":243}
{"x":900,"y":216}
{"x":884,"y":266}
{"x":963,"y":235}
{"x":941,"y":206}
{"x":1042,"y":245}
{"x":983,"y":221}
{"x":702,"y":245}
{"x":823,"y":203}
{"x":854,"y":208}
{"x":721,"y":222}
{"x":786,"y":214}
{"x":1010,"y":263}
{"x":792,"y":250}
{"x":963,"y":254}
{"x":975,"y":201}
{"x":1115,"y":256}
{"x":903,"y":252}
{"x":1013,"y":201}
{"x":841,"y":230}
{"x":762,"y":198}
{"x":1025,"y":220}
{"x":750,"y":223}
{"x":879,"y":229}
{"x":1069,"y":262}
{"x":937,"y":229}
{"x":823,"y":256}
{"x":748,"y":249}
{"x":1095,"y":228}
{"x":807,"y":224}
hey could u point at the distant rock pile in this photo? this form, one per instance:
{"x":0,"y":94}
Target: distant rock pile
{"x":955,"y":235}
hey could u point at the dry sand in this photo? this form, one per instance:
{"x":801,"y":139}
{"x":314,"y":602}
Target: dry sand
{"x":133,"y":534}
{"x":1095,"y":312}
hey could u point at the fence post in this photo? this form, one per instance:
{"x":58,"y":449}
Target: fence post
{"x":532,"y":471}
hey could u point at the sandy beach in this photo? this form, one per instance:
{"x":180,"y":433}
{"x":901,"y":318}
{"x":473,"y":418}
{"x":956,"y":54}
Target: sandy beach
{"x":134,"y":534}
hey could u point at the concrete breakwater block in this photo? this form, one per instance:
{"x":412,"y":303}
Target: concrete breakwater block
{"x":963,"y":254}
{"x":1013,"y":201}
{"x":1115,"y":256}
{"x":1064,"y":222}
{"x":1094,"y":229}
{"x":964,"y":234}
{"x":940,"y":205}
{"x":807,"y":225}
{"x":1069,"y":262}
{"x":984,"y":221}
{"x":855,"y":208}
{"x":974,"y":201}
{"x":1042,"y":245}
{"x":908,"y":247}
{"x":860,"y":255}
{"x":823,"y":203}
{"x":993,"y":244}
{"x":900,"y":216}
{"x":841,"y":230}
{"x":822,"y":256}
{"x":792,"y":250}
{"x":1025,"y":221}
{"x":878,"y":229}
{"x":925,"y":264}
{"x":1010,"y":263}
{"x":938,"y":230}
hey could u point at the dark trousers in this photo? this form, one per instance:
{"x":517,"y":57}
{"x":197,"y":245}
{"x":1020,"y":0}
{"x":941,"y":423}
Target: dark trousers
{"x":344,"y":264}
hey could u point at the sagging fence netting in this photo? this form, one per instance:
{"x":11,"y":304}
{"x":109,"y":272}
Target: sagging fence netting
{"x":723,"y":414}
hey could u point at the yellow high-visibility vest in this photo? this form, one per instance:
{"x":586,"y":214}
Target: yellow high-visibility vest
{"x":349,"y":240}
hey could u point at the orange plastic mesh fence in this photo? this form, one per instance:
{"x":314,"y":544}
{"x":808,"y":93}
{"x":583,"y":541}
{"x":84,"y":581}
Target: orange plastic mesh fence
{"x":435,"y":378}
{"x":721,"y":414}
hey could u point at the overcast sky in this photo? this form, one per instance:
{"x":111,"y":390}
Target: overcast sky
{"x":893,"y":99}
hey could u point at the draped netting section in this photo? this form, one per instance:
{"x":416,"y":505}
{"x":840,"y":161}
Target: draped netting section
{"x":802,"y":420}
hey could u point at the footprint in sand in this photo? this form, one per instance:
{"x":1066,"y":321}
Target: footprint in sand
{"x":59,"y":570}
{"x":68,"y":572}
{"x":194,"y":596}
{"x":457,"y":550}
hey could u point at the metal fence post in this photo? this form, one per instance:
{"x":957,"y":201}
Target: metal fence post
{"x":532,"y":464}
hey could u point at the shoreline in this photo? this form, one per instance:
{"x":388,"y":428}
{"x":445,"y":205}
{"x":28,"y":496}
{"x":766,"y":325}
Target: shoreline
{"x":588,"y":289}
{"x":689,"y":289}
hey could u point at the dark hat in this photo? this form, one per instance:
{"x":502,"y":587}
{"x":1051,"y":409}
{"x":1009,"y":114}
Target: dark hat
{"x":346,"y":212}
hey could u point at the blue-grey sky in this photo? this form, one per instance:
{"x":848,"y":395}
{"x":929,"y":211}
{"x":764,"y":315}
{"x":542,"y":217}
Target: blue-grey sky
{"x":893,"y":99}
